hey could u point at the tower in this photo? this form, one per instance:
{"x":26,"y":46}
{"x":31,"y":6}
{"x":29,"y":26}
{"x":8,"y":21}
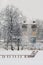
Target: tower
{"x":33,"y":32}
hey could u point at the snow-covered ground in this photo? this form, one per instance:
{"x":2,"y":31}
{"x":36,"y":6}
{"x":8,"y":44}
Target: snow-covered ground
{"x":37,"y":60}
{"x":25,"y":46}
{"x":15,"y":52}
{"x":30,"y":46}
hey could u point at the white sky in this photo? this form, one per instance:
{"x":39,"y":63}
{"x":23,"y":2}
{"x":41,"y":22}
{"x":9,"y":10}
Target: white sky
{"x":33,"y":9}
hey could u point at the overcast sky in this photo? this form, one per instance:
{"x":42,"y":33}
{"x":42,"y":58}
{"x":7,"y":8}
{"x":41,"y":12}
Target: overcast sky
{"x":33,"y":9}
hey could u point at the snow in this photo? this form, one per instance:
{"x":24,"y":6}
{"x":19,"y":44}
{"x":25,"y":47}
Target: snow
{"x":37,"y":60}
{"x":15,"y":52}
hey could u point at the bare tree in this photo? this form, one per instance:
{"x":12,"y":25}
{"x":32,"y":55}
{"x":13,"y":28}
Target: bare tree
{"x":11,"y":26}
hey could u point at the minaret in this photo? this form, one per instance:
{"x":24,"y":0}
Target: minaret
{"x":33,"y":32}
{"x":24,"y":34}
